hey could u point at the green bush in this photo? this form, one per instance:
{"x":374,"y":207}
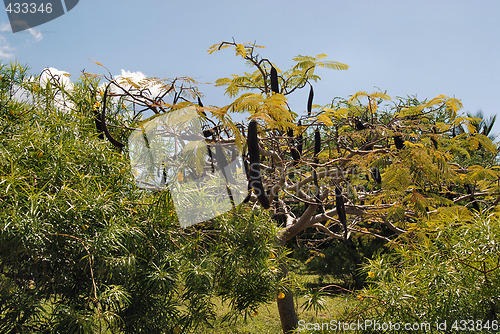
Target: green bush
{"x":451,"y":273}
{"x":82,"y":250}
{"x":343,"y":260}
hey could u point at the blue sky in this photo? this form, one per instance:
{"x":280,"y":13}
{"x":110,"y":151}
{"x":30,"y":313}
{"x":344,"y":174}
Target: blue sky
{"x":422,"y":48}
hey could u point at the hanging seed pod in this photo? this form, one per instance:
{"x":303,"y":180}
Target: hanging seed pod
{"x":317,"y":144}
{"x":339,"y":204}
{"x":255,"y":177}
{"x":211,"y":156}
{"x":399,"y":142}
{"x":274,"y":80}
{"x":221,"y":160}
{"x":163,"y":181}
{"x":220,"y":157}
{"x":359,"y":125}
{"x":247,"y":173}
{"x":317,"y":149}
{"x":433,"y":138}
{"x":295,"y":155}
{"x":201,"y":105}
{"x":247,"y":169}
{"x":104,"y":127}
{"x":208,"y":132}
{"x":98,"y":126}
{"x":376,"y":175}
{"x":310,"y":101}
{"x":434,"y":142}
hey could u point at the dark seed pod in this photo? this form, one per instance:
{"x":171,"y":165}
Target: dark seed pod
{"x":221,"y":159}
{"x":163,"y":176}
{"x":434,"y":142}
{"x":310,"y":101}
{"x":255,"y":177}
{"x":317,"y":144}
{"x":376,"y":175}
{"x":399,"y":142}
{"x":359,"y":125}
{"x":274,"y":80}
{"x":339,"y":204}
{"x":104,"y":127}
{"x":208,"y":132}
{"x":211,"y":156}
{"x":245,"y":166}
{"x":295,"y":155}
{"x":247,"y":172}
{"x":97,"y":119}
{"x":201,"y":105}
{"x":98,"y":126}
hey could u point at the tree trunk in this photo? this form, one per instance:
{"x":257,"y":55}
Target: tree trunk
{"x":286,"y":309}
{"x":286,"y":306}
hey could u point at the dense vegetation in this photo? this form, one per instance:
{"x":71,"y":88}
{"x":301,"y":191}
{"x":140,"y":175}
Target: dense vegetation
{"x":410,"y":185}
{"x":82,"y":250}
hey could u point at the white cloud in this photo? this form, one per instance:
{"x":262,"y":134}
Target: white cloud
{"x":4,"y":27}
{"x":37,"y":35}
{"x":134,"y":76}
{"x":6,"y":51}
{"x":57,"y":77}
{"x":154,"y":87}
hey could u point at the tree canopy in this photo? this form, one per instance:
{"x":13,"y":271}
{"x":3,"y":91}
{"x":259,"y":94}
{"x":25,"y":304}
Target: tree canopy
{"x":84,"y":248}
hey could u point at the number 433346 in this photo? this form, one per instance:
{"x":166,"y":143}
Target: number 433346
{"x":29,"y":8}
{"x":474,"y":325}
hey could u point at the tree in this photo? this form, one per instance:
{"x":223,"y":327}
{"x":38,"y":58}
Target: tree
{"x":365,"y":165}
{"x":480,"y":156}
{"x":356,"y":166}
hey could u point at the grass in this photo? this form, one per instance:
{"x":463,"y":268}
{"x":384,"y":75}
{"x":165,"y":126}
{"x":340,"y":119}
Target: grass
{"x":266,"y":320}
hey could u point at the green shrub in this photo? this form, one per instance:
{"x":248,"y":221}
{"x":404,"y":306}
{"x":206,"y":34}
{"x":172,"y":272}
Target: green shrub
{"x":82,"y":250}
{"x":451,"y":274}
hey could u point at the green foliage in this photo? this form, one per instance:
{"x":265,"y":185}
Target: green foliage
{"x":247,"y":271}
{"x":82,"y":250}
{"x":342,"y":260}
{"x":450,"y":273}
{"x":315,"y":301}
